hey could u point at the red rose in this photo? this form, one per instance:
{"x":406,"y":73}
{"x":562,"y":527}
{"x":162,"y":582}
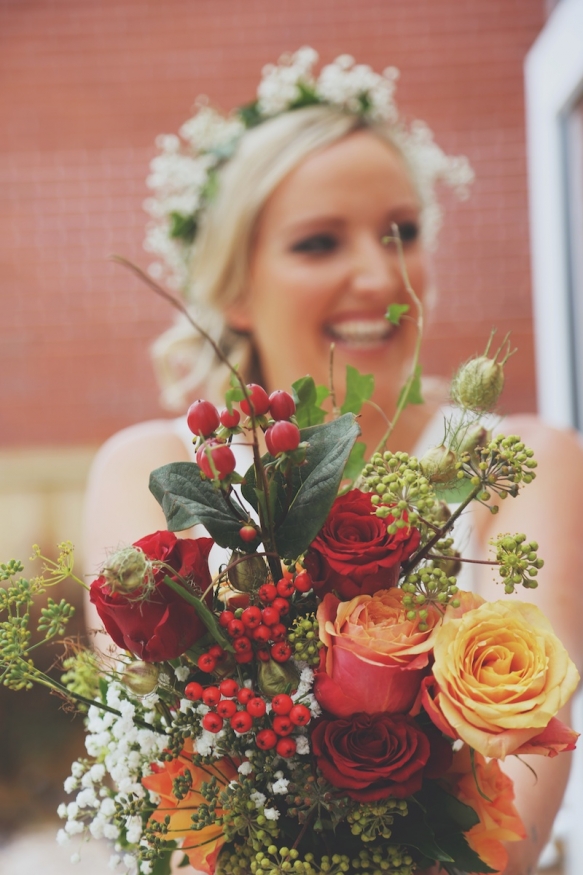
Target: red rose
{"x":353,"y":553}
{"x":156,"y":623}
{"x":374,"y":756}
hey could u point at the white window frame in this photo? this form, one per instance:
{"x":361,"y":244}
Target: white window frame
{"x":553,"y":78}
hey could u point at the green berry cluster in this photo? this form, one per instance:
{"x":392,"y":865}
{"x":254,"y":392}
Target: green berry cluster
{"x":81,"y":675}
{"x":500,"y":467}
{"x":373,"y":821}
{"x":390,"y":860}
{"x":309,"y":795}
{"x":278,"y":861}
{"x":519,"y":562}
{"x":304,"y":639}
{"x":235,"y":859}
{"x":241,"y":817}
{"x":399,"y":487}
{"x":429,"y":584}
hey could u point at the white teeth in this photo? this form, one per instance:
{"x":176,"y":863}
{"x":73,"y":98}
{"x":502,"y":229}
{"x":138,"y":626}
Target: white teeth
{"x":360,"y":332}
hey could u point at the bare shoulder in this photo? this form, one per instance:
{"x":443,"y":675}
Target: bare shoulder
{"x":119,"y":507}
{"x":155,"y":440}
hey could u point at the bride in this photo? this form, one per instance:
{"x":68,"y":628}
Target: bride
{"x":276,"y":228}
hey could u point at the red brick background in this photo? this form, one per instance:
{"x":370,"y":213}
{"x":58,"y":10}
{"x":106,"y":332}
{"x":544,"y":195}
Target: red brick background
{"x":86,"y":87}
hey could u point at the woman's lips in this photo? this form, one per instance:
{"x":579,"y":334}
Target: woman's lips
{"x":360,"y":333}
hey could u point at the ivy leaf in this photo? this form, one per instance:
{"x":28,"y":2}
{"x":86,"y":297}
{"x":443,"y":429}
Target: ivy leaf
{"x":411,"y":391}
{"x":188,"y":500}
{"x":308,"y":398}
{"x":359,"y":388}
{"x":355,"y":462}
{"x":301,"y":512}
{"x":395,"y":311}
{"x":235,"y":393}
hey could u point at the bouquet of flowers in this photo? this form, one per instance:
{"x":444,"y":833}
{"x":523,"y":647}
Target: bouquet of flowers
{"x":330,"y":701}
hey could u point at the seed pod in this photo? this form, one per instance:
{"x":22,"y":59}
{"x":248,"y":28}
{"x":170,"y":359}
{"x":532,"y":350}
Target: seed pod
{"x":450,"y":566}
{"x":478,"y":384}
{"x":474,"y":437}
{"x":127,"y":570}
{"x":439,"y":465}
{"x":275,"y":677}
{"x":249,"y":574}
{"x":141,"y":678}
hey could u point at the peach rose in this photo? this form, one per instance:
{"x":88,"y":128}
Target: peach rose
{"x":501,"y":675}
{"x":201,"y":847}
{"x":490,"y":793}
{"x":376,"y":658}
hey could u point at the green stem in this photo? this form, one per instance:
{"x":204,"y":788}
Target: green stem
{"x":45,"y":681}
{"x":267,"y":529}
{"x":416,"y":354}
{"x":418,"y":557}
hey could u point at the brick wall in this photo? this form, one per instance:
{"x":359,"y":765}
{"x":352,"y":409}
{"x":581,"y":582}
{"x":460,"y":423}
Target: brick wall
{"x":85,"y":89}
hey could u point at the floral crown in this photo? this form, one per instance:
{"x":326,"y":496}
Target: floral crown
{"x":184,"y":178}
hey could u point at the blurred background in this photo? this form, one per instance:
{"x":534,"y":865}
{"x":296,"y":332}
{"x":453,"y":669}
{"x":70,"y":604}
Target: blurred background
{"x":85,"y":90}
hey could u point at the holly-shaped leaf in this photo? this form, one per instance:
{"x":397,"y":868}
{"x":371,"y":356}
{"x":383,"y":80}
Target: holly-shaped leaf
{"x":359,"y":388}
{"x":395,"y":311}
{"x":308,"y":398}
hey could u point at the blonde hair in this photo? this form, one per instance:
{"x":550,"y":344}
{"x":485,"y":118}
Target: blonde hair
{"x":220,"y":258}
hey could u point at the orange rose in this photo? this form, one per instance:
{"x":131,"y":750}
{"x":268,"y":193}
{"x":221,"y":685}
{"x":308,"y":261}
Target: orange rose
{"x":201,"y":847}
{"x":376,"y":658}
{"x":501,"y":675}
{"x":499,"y":820}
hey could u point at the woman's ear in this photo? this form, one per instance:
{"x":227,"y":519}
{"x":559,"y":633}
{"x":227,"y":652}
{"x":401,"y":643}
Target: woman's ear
{"x":238,"y":316}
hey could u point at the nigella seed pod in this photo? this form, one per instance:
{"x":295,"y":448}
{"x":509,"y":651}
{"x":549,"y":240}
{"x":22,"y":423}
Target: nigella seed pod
{"x":249,"y":573}
{"x":438,"y":465}
{"x":141,"y":678}
{"x":127,"y":570}
{"x":277,"y":677}
{"x":476,"y":436}
{"x":478,"y":384}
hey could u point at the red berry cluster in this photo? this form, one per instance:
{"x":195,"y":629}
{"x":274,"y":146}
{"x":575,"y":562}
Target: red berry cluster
{"x":241,"y":707}
{"x":215,"y":457}
{"x":258,"y":632}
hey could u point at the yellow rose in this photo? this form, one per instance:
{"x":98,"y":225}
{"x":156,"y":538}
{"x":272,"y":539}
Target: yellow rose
{"x":501,"y":675}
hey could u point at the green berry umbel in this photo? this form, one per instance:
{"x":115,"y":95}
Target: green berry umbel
{"x":374,"y":820}
{"x":399,"y":488}
{"x":501,"y":467}
{"x":518,"y":561}
{"x":305,"y":640}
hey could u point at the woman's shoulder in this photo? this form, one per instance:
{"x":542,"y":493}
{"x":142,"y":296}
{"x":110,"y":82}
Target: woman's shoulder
{"x":561,"y":445}
{"x":145,"y":442}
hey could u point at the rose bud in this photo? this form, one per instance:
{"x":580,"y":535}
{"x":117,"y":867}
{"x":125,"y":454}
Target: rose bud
{"x":248,"y":574}
{"x":141,"y":678}
{"x":276,"y":677}
{"x":127,"y":570}
{"x":439,"y":465}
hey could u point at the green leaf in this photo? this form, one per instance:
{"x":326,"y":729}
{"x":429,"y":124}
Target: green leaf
{"x":235,"y":393}
{"x":454,"y":493}
{"x":308,"y":398}
{"x":162,"y":865}
{"x":359,"y":388}
{"x":188,"y":500}
{"x":205,"y":614}
{"x":395,"y":311}
{"x":411,"y":391}
{"x":466,"y":860}
{"x":355,"y":462}
{"x":182,"y":227}
{"x":313,"y":487}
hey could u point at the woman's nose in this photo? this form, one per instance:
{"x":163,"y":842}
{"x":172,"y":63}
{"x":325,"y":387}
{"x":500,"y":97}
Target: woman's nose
{"x":376,"y":269}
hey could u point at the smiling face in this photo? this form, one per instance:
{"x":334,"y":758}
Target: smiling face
{"x":321,"y":274}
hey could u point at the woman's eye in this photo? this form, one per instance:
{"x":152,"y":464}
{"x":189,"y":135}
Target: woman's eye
{"x":316,"y":244}
{"x":408,"y":231}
